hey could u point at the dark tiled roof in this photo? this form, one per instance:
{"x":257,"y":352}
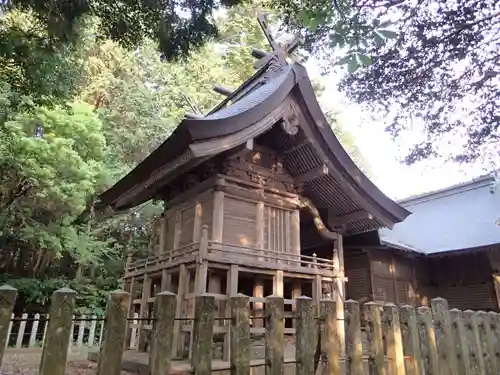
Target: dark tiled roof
{"x":344,"y":190}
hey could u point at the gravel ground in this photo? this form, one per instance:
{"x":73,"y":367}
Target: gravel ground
{"x":26,"y":362}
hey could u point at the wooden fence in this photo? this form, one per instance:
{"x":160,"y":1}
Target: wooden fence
{"x":398,"y":341}
{"x":29,"y":331}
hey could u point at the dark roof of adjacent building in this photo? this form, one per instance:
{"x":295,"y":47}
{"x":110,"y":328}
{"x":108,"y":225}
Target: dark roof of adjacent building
{"x":254,"y":109}
{"x":460,"y":217}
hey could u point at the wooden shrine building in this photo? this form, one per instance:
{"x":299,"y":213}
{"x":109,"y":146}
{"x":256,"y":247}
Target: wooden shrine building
{"x":258,"y":195}
{"x":449,"y":247}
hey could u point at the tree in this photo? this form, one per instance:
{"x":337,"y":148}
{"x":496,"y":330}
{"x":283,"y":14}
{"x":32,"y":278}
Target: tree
{"x":435,"y":63}
{"x":51,"y":163}
{"x":442,"y":70}
{"x":37,"y":72}
{"x":177,"y":26}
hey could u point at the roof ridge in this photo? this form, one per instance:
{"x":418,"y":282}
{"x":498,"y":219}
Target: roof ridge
{"x":458,"y":188}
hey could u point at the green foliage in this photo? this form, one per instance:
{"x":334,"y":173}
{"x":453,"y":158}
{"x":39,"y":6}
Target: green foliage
{"x":176,"y":26}
{"x":46,"y":182}
{"x":35,"y":293}
{"x":37,"y":71}
{"x":339,"y":31}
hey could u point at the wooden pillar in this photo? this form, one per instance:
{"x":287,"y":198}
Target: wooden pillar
{"x":496,"y":283}
{"x":218,"y":216}
{"x":181,"y":292}
{"x":258,"y":307}
{"x":338,"y":260}
{"x":163,"y":236}
{"x":295,"y":232}
{"x":197,"y":222}
{"x":231,"y":291}
{"x":278,"y":283}
{"x":177,"y":230}
{"x":128,"y":261}
{"x":288,"y":236}
{"x":129,"y":287}
{"x":215,"y":287}
{"x":166,"y":280}
{"x":394,"y":282}
{"x":317,"y":289}
{"x":494,"y":258}
{"x":214,"y":283}
{"x":200,"y":280}
{"x":144,"y":312}
{"x":259,"y":238}
{"x":296,"y":293}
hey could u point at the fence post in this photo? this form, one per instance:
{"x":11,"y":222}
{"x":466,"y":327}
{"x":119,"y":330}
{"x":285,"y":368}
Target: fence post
{"x":7,"y":300}
{"x":203,"y":329}
{"x":487,"y":341}
{"x":20,"y":332}
{"x":163,"y":333}
{"x":354,"y":344}
{"x":473,"y":342}
{"x":392,"y":329}
{"x":72,"y":334}
{"x":275,"y":335}
{"x":460,"y":340}
{"x":133,"y":331}
{"x":9,"y":330}
{"x":495,"y":329}
{"x":371,"y":312}
{"x":330,"y":340}
{"x":427,"y":341}
{"x":306,"y":336}
{"x":46,"y":326}
{"x":444,"y":337}
{"x":34,"y":330}
{"x":82,"y":320}
{"x":111,"y":354}
{"x":55,"y":347}
{"x":93,"y":326}
{"x":240,"y":335}
{"x":411,"y":342}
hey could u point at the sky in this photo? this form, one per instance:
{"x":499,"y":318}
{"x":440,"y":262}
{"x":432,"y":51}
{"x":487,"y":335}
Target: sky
{"x":383,"y":153}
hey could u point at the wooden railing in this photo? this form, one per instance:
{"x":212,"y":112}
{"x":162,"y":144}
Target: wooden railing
{"x":244,"y":253}
{"x":171,"y":257}
{"x":231,"y":253}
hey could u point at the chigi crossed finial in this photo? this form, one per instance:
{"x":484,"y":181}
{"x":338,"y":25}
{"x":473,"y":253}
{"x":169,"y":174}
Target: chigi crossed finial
{"x":280,"y":54}
{"x":274,"y":61}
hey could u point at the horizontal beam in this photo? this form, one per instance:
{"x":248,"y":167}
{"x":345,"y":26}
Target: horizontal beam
{"x":219,"y":89}
{"x":349,"y":218}
{"x":294,"y":45}
{"x":193,"y":116}
{"x":249,"y":144}
{"x":264,"y":60}
{"x":258,"y":53}
{"x":313,"y":174}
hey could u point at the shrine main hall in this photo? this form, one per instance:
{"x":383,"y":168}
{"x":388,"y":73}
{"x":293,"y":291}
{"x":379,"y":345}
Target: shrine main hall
{"x":259,"y":197}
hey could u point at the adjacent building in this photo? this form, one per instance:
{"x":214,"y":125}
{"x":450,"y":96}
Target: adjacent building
{"x":448,"y":247}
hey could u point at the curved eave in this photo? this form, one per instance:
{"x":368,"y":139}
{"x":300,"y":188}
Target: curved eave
{"x":191,"y":133}
{"x":178,"y":141}
{"x":387,"y":211}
